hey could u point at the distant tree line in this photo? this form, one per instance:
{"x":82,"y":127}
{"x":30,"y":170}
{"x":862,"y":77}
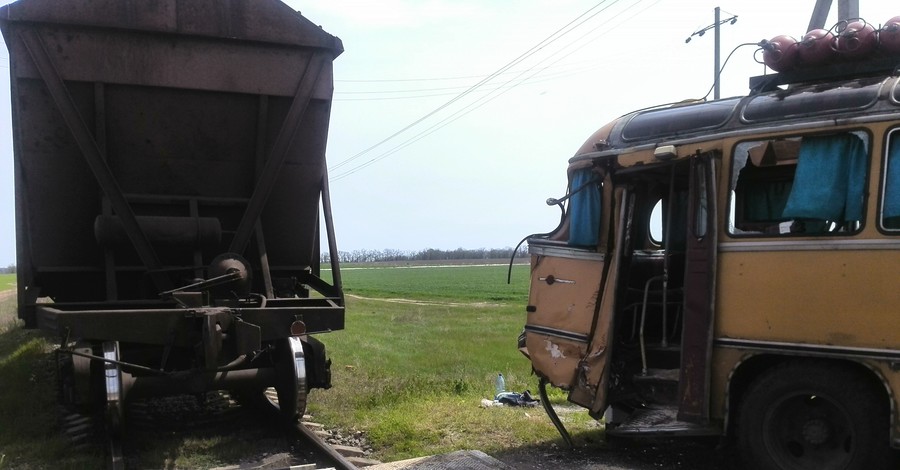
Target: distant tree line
{"x":11,"y":269}
{"x":428,"y":254}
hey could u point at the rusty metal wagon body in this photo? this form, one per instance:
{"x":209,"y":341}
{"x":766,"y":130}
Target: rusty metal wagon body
{"x":170,"y":180}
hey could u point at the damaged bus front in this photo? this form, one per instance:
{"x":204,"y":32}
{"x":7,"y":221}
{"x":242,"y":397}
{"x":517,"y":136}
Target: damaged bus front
{"x":725,"y":268}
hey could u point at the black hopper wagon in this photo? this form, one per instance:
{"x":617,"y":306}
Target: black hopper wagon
{"x":170,"y":181}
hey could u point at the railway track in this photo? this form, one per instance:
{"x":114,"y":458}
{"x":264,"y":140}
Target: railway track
{"x":252,"y":432}
{"x":334,"y":458}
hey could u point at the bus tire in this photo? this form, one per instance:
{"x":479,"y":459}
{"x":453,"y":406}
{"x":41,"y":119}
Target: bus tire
{"x":813,"y":415}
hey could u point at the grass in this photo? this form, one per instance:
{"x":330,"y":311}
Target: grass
{"x":411,"y":376}
{"x":459,"y":283}
{"x":7,"y":281}
{"x":29,"y":432}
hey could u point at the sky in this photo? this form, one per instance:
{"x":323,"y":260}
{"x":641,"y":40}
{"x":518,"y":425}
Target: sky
{"x":453,"y":120}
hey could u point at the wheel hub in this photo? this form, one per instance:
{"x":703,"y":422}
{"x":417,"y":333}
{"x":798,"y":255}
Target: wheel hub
{"x":816,"y":431}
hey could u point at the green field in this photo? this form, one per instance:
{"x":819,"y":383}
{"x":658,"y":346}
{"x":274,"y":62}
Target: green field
{"x":413,"y":375}
{"x":7,"y":281}
{"x":455,"y":283}
{"x":420,"y":351}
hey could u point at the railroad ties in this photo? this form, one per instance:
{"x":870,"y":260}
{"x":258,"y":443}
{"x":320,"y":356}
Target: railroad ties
{"x":343,"y":456}
{"x":187,"y":415}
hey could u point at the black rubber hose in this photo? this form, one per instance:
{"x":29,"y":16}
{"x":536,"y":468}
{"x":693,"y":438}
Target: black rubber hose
{"x":542,"y":388}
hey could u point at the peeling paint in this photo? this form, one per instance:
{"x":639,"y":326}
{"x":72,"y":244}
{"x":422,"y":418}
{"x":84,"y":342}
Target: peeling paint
{"x":599,"y":352}
{"x":554,"y":351}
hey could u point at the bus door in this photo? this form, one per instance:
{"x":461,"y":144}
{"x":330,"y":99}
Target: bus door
{"x":567,"y":278}
{"x":701,"y":246}
{"x":660,"y":290}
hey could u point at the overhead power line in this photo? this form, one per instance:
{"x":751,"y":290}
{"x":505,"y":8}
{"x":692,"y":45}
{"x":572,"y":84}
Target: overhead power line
{"x":548,"y":40}
{"x":416,"y":93}
{"x":504,"y":87}
{"x":427,"y":79}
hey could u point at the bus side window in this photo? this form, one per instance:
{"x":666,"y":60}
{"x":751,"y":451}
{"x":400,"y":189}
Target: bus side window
{"x":762,"y":178}
{"x":656,"y":223}
{"x":890,"y":209}
{"x":584,"y":208}
{"x":811,"y":186}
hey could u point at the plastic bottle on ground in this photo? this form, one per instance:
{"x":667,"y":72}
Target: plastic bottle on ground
{"x":500,"y":384}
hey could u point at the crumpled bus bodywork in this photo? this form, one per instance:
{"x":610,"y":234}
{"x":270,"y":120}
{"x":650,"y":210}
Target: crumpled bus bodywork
{"x":716,"y":252}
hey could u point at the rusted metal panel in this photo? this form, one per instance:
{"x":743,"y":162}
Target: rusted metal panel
{"x":169,"y":108}
{"x":201,"y":63}
{"x":561,"y":311}
{"x":181,"y":327}
{"x":67,"y":109}
{"x":699,"y":294}
{"x":278,"y":154}
{"x":259,"y":20}
{"x":170,"y":168}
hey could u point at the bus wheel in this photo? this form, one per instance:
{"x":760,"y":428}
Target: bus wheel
{"x":813,"y":415}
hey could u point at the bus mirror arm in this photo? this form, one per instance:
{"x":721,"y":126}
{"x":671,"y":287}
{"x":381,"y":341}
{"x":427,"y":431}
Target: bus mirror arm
{"x":562,"y":218}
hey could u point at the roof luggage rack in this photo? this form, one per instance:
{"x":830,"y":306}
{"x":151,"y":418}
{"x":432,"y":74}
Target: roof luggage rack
{"x":829,"y":72}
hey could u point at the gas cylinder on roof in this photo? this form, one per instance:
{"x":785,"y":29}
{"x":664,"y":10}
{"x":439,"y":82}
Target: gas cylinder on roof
{"x":815,"y":47}
{"x":780,"y":53}
{"x":889,"y":36}
{"x":855,"y":38}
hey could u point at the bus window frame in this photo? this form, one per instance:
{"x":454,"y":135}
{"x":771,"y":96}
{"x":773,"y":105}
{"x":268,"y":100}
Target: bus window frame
{"x":886,"y":147}
{"x":729,"y":219}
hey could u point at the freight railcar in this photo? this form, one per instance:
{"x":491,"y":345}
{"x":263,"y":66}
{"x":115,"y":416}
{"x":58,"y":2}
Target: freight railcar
{"x":170,"y":178}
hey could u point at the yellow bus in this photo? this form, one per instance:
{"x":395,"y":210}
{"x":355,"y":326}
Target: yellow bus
{"x":727,"y":268}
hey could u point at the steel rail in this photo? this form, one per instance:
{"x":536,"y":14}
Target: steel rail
{"x":338,"y":461}
{"x":334,"y":458}
{"x":116,"y":455}
{"x":322,"y":450}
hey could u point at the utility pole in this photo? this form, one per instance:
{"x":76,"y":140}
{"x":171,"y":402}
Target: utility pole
{"x":716,"y":51}
{"x":717,"y":23}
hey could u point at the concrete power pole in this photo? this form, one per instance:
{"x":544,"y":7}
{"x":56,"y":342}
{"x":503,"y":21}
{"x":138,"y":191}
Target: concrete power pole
{"x":715,"y":27}
{"x":717,"y":48}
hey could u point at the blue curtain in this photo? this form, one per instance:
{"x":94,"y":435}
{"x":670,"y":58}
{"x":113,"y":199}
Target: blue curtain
{"x":892,"y":179}
{"x":584,"y":210}
{"x":830,"y":179}
{"x":762,"y":200}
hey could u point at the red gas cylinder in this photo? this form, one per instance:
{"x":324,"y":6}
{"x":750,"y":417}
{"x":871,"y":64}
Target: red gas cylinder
{"x":780,"y":53}
{"x":889,"y":36}
{"x":855,"y":39}
{"x":815,"y":47}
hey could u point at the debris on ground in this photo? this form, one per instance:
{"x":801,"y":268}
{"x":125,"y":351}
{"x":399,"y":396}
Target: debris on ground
{"x":511,"y":399}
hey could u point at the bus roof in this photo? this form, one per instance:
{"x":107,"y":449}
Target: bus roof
{"x":770,"y":104}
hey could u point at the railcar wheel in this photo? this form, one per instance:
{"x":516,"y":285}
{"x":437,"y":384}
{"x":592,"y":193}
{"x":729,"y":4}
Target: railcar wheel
{"x":290,"y":382}
{"x":291,"y":385}
{"x":115,"y":410}
{"x":113,"y":385}
{"x":813,"y":416}
{"x":65,"y":379}
{"x":78,"y":378}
